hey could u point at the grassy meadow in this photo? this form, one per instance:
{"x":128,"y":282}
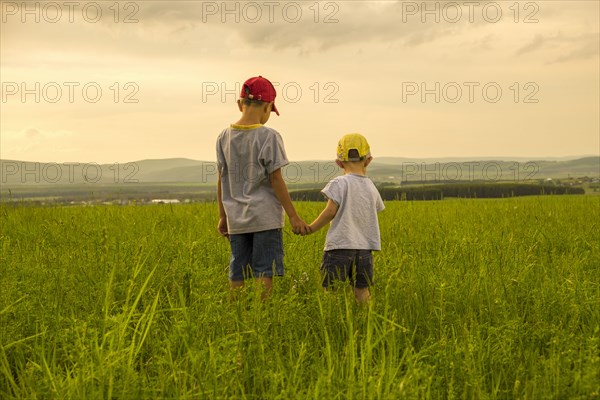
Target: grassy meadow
{"x":473,"y":299}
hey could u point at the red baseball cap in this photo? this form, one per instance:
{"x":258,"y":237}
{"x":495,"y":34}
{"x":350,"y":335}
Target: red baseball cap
{"x":259,"y":88}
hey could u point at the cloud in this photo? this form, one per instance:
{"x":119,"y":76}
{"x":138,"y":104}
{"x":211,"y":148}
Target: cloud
{"x":589,"y":47}
{"x":31,"y":133}
{"x":573,"y":47}
{"x":33,"y":143}
{"x":537,"y":43}
{"x":305,"y":26}
{"x":203,"y":29}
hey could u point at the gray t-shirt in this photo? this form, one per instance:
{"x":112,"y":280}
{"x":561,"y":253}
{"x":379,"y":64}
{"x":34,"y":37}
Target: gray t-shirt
{"x":355,"y":225}
{"x":246,"y":156}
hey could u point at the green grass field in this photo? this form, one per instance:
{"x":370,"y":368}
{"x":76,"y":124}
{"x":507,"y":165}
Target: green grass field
{"x":474,"y":299}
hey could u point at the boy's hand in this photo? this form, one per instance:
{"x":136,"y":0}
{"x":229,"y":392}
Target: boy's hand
{"x":222,"y":227}
{"x":326,"y":216}
{"x":299,"y":227}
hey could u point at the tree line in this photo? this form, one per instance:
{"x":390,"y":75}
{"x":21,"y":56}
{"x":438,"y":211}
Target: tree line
{"x":439,"y":192}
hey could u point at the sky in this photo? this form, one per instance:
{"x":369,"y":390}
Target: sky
{"x":109,"y":82}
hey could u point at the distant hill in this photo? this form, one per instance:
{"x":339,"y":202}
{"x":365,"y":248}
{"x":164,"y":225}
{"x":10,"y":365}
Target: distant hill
{"x":399,"y":160}
{"x":384,"y":169}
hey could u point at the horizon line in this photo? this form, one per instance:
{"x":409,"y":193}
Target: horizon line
{"x":474,"y":158}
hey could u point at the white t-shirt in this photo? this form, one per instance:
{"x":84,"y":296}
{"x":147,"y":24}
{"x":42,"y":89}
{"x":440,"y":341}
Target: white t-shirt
{"x":246,"y":156}
{"x":355,"y":226}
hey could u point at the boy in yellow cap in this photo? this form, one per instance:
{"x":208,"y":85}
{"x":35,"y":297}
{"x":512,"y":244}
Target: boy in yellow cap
{"x":251,"y":192}
{"x":352,"y":206}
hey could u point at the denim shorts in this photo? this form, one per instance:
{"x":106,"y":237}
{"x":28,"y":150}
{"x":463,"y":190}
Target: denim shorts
{"x":256,"y":254}
{"x":355,"y":266}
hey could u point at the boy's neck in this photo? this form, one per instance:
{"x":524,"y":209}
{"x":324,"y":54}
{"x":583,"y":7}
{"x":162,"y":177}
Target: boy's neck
{"x":251,"y":116}
{"x":355,"y":168}
{"x":248,"y":121}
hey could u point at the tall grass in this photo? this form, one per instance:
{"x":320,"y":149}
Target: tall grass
{"x":487,"y":299}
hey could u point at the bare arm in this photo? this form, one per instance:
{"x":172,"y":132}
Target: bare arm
{"x":325,"y":217}
{"x":222,"y":226}
{"x":281,"y":191}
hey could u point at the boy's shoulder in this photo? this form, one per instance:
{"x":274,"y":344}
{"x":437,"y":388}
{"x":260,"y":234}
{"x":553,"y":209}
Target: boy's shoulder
{"x":351,"y":182}
{"x":254,"y":128}
{"x":258,"y":129}
{"x":337,"y":181}
{"x":343,"y":179}
{"x":267,"y":131}
{"x":352,"y":178}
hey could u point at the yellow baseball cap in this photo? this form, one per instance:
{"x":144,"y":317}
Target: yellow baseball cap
{"x":352,"y":141}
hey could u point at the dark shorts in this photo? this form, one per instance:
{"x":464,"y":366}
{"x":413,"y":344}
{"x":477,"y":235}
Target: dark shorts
{"x":256,"y":254}
{"x":355,"y":266}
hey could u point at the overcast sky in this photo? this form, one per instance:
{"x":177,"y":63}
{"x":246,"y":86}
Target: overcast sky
{"x":99,"y":82}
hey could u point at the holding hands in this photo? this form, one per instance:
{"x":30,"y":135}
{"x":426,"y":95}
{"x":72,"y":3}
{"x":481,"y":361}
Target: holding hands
{"x":299,"y":227}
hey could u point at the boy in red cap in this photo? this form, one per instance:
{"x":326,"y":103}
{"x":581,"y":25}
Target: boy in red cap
{"x":252,"y":194}
{"x":352,"y":206}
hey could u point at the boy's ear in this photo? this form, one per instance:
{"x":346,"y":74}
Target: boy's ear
{"x":368,"y":161}
{"x":239,"y":103}
{"x":339,"y":164}
{"x":268,"y":107}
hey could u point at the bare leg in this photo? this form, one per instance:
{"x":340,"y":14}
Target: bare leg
{"x":234,"y":286}
{"x":267,"y":285}
{"x":362,"y":295}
